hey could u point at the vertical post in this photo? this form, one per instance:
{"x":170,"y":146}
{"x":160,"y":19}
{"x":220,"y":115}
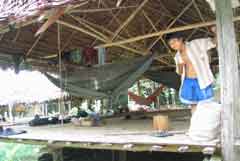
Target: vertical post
{"x":46,"y":108}
{"x":101,"y":61}
{"x":122,"y":155}
{"x":57,"y":154}
{"x":139,"y":88}
{"x":229,"y":73}
{"x":10,"y":112}
{"x":101,"y":56}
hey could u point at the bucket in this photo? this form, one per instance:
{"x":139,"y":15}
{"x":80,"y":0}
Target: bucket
{"x":160,"y":123}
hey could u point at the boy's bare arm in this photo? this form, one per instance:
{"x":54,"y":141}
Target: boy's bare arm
{"x":213,"y":29}
{"x":180,"y":69}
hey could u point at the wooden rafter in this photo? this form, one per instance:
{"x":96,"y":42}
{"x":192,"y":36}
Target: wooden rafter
{"x":51,"y":20}
{"x":175,"y":29}
{"x":119,"y":22}
{"x":34,"y":44}
{"x":101,"y":9}
{"x":1,"y":36}
{"x":167,"y":13}
{"x":17,"y":35}
{"x":103,"y":40}
{"x":129,"y":19}
{"x":199,"y":12}
{"x":110,"y":22}
{"x":64,"y":46}
{"x":169,"y":26}
{"x":68,"y":40}
{"x":119,"y":2}
{"x":77,"y":6}
{"x":155,"y":29}
{"x":89,"y":27}
{"x":94,"y":35}
{"x":80,"y":29}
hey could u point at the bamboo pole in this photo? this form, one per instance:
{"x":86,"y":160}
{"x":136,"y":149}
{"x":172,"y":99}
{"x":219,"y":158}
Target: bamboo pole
{"x":80,"y":29}
{"x":100,"y":38}
{"x":171,"y":24}
{"x":199,"y":13}
{"x":101,"y":9}
{"x":130,"y":18}
{"x":95,"y":36}
{"x":34,"y":44}
{"x":55,"y":16}
{"x":162,"y":32}
{"x":119,"y":23}
{"x":160,"y":37}
{"x":64,"y":46}
{"x":89,"y":27}
{"x":119,"y":2}
{"x":17,"y":35}
{"x":122,"y":46}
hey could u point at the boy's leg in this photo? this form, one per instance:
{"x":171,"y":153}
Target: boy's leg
{"x":193,"y":108}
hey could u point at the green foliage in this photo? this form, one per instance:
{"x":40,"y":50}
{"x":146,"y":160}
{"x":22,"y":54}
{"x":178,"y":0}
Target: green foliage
{"x":19,"y":152}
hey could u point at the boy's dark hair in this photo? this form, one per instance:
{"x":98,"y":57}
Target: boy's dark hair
{"x":174,"y":35}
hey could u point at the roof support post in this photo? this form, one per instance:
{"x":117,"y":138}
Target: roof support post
{"x":229,"y":73}
{"x":101,"y":56}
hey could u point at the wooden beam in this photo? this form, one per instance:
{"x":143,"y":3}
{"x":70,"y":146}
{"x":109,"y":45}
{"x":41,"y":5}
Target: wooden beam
{"x":101,"y":39}
{"x":199,"y":13}
{"x":229,"y":74}
{"x":119,"y":2}
{"x":51,"y":20}
{"x":34,"y":44}
{"x":6,"y":28}
{"x":119,"y":23}
{"x":175,"y":29}
{"x":155,"y":29}
{"x":89,"y":27}
{"x":80,"y":29}
{"x":17,"y":35}
{"x":169,"y":26}
{"x":130,"y":18}
{"x":63,"y":48}
{"x":95,"y":35}
{"x":141,"y":52}
{"x":169,"y":15}
{"x":100,"y":9}
{"x":68,"y":40}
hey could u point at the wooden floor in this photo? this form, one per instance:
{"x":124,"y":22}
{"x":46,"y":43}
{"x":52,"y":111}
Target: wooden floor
{"x":116,"y":134}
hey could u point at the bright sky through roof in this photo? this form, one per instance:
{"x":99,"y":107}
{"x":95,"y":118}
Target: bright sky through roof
{"x":25,"y":87}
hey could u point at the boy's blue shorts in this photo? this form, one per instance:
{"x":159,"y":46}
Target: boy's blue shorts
{"x":191,"y":93}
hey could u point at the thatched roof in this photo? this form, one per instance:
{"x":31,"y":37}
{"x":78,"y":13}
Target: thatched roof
{"x":99,"y":22}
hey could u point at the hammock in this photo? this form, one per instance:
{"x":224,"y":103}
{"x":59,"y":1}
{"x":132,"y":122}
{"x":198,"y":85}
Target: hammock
{"x":106,"y":81}
{"x":145,"y":101}
{"x":169,"y":79}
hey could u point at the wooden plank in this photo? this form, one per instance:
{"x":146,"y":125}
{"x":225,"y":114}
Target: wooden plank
{"x":229,"y":73}
{"x":116,"y":134}
{"x":102,"y":146}
{"x":162,"y":32}
{"x":172,"y":112}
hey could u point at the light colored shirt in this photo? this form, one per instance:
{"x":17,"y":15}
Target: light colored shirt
{"x":196,"y":51}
